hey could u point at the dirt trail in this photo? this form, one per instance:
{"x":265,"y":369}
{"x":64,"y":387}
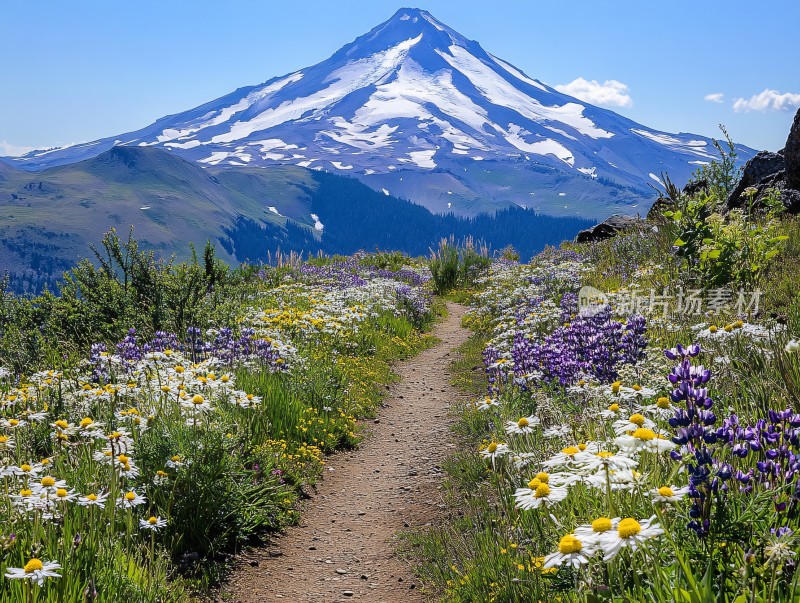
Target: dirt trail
{"x":344,"y":547}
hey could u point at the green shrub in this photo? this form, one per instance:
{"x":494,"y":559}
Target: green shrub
{"x":455,"y":266}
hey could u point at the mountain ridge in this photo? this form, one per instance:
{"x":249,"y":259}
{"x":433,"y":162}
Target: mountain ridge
{"x":49,"y":219}
{"x":414,"y":106}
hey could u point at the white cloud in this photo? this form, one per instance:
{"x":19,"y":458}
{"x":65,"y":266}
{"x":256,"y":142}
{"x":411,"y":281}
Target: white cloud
{"x":610,"y":93}
{"x":769,"y":100}
{"x":716,"y":97}
{"x":9,"y":150}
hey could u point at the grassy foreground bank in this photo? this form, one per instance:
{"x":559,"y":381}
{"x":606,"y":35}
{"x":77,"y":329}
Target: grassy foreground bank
{"x":154,"y":418}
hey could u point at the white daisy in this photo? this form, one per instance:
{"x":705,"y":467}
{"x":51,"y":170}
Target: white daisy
{"x":662,"y":409}
{"x":593,"y":532}
{"x":93,"y":500}
{"x":64,"y":495}
{"x":130,"y":500}
{"x":196,"y":403}
{"x":175,"y":461}
{"x":523,"y":459}
{"x":49,"y":485}
{"x":567,"y":456}
{"x":12,"y":423}
{"x":487,"y":403}
{"x":26,"y":470}
{"x":539,"y":494}
{"x":571,"y":551}
{"x":668,"y":494}
{"x":629,"y":533}
{"x":632,"y":423}
{"x":636,"y":392}
{"x":153,"y":523}
{"x":523,"y":426}
{"x":495,"y":450}
{"x":644,"y":438}
{"x":34,"y":570}
{"x":593,"y":461}
{"x":614,"y":411}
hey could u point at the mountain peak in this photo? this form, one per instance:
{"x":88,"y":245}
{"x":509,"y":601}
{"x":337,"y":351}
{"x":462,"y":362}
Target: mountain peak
{"x":406,"y":24}
{"x":414,"y":15}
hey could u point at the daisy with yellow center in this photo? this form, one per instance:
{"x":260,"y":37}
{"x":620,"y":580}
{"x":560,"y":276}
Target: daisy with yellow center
{"x":614,"y":411}
{"x":26,"y":469}
{"x":523,"y":426}
{"x":570,"y":456}
{"x":632,"y":423}
{"x":130,"y":500}
{"x":495,"y":450}
{"x":668,"y":494}
{"x":571,"y":550}
{"x":93,"y":500}
{"x":592,"y":532}
{"x":34,"y":570}
{"x":643,"y":439}
{"x":196,"y":403}
{"x":603,"y":461}
{"x":629,"y":533}
{"x":64,"y":495}
{"x":152,"y":523}
{"x":539,"y":494}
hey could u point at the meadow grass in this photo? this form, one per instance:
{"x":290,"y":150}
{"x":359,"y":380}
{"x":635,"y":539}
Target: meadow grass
{"x":583,"y":472}
{"x":135,"y":469}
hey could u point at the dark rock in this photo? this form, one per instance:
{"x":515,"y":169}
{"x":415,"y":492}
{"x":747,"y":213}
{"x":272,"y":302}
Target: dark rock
{"x":771,"y":172}
{"x":607,"y":229}
{"x":695,"y":187}
{"x":791,"y":154}
{"x":761,"y":167}
{"x":791,"y":199}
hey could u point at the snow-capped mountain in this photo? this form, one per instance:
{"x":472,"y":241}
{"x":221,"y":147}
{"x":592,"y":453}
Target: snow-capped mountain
{"x":415,"y":109}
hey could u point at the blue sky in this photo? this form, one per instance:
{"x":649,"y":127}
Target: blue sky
{"x":83,"y":69}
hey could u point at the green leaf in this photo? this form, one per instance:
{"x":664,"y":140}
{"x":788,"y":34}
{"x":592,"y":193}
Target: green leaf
{"x":684,"y":596}
{"x":778,"y":239}
{"x":771,"y":254}
{"x":714,"y":254}
{"x":677,"y":215}
{"x":679,"y":242}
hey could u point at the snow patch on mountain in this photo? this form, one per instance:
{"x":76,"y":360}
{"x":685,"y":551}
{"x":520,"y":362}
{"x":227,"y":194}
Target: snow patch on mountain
{"x":500,"y":92}
{"x":423,"y":159}
{"x":541,"y":147}
{"x":345,"y":80}
{"x":697,"y":147}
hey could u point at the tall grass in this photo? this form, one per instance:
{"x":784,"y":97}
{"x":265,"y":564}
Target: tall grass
{"x":457,"y":266}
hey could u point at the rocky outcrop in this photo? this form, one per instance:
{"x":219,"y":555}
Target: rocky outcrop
{"x":791,"y":154}
{"x":771,"y":171}
{"x":764,"y":168}
{"x":607,"y":229}
{"x":695,"y":187}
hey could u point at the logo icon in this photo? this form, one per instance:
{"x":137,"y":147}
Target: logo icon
{"x":591,"y":301}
